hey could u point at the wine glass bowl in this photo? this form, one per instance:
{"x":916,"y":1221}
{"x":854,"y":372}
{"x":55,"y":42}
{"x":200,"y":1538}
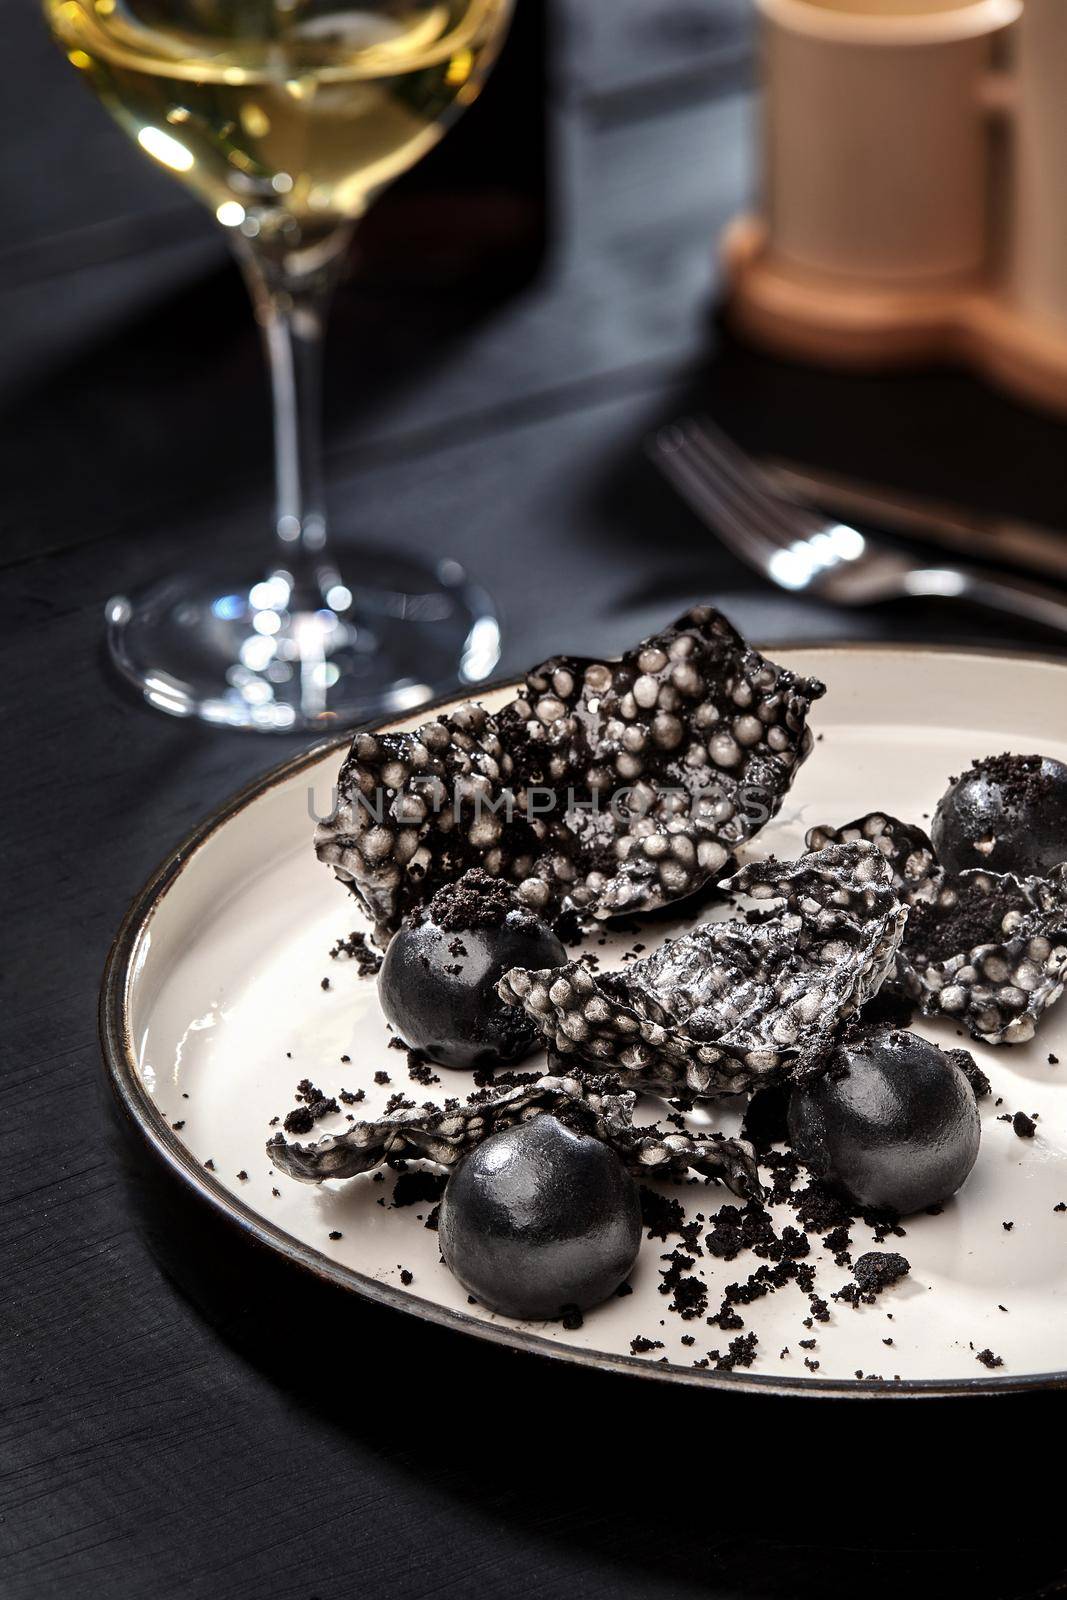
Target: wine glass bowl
{"x":287,"y":118}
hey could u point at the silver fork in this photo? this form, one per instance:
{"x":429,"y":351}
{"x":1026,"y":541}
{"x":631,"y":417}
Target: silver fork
{"x":805,"y":553}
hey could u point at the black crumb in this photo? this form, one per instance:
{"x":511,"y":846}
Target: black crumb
{"x":1024,"y":1126}
{"x":406,"y":1277}
{"x":873,"y":1272}
{"x":335,"y":1234}
{"x":988,"y":1359}
{"x":325,"y":984}
{"x":243,"y":1175}
{"x":741,"y":1352}
{"x":476,"y":900}
{"x":690,"y":1295}
{"x":971,"y":1071}
{"x":639,"y":1346}
{"x":382,"y":1077}
{"x":624,"y":1289}
{"x":975,"y":917}
{"x":313,"y":1105}
{"x":571,"y":1318}
{"x":661,"y":1214}
{"x":837,"y":1242}
{"x":420,"y":1071}
{"x":416,"y":1185}
{"x":355,"y":948}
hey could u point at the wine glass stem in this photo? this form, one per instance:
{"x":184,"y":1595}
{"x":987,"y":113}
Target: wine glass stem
{"x":291,"y":292}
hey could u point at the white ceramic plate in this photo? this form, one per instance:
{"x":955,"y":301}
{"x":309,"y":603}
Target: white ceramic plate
{"x":213,"y":1009}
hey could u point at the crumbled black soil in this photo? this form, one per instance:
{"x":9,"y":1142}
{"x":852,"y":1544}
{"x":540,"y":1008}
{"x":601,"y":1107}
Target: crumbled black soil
{"x":476,"y":900}
{"x":741,"y":1352}
{"x":420,"y":1070}
{"x":1021,"y":782}
{"x":355,"y":948}
{"x":1024,"y":1126}
{"x":751,"y":1228}
{"x":661,"y":1214}
{"x":313,"y":1105}
{"x":837,"y":1241}
{"x":938,"y":933}
{"x":873,"y":1272}
{"x":690,"y":1294}
{"x":971,"y":1071}
{"x":417,"y":1185}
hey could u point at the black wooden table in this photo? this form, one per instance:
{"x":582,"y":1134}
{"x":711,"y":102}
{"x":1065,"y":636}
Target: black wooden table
{"x":215,"y":1437}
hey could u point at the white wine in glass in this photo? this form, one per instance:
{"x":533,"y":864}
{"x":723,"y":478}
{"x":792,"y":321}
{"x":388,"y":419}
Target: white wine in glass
{"x":288,"y":118}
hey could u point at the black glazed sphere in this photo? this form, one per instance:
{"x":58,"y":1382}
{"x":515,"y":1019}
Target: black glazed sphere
{"x":538,"y":1219}
{"x":438,"y":988}
{"x":892,"y":1124}
{"x":1006,"y":814}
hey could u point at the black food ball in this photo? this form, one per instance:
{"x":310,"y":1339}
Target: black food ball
{"x":891,"y":1124}
{"x":1007,"y":814}
{"x":538,"y":1220}
{"x":437,"y":984}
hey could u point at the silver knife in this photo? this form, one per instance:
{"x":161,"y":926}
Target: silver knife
{"x":1002,"y":539}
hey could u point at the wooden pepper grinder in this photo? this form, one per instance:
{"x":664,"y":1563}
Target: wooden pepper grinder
{"x":914,"y":189}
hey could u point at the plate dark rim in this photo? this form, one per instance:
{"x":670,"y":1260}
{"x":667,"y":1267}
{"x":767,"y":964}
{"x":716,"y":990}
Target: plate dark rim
{"x":143,"y":1115}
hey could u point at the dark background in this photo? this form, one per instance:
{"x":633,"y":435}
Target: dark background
{"x":233,"y":1437}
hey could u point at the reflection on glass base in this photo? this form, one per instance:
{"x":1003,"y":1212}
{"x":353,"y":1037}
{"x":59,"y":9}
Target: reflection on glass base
{"x":389,"y":634}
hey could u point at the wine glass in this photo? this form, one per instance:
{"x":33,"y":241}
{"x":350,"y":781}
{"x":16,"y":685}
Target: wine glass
{"x":288,"y":117}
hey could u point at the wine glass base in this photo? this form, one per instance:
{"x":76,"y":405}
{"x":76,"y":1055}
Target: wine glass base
{"x":391,"y":634}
